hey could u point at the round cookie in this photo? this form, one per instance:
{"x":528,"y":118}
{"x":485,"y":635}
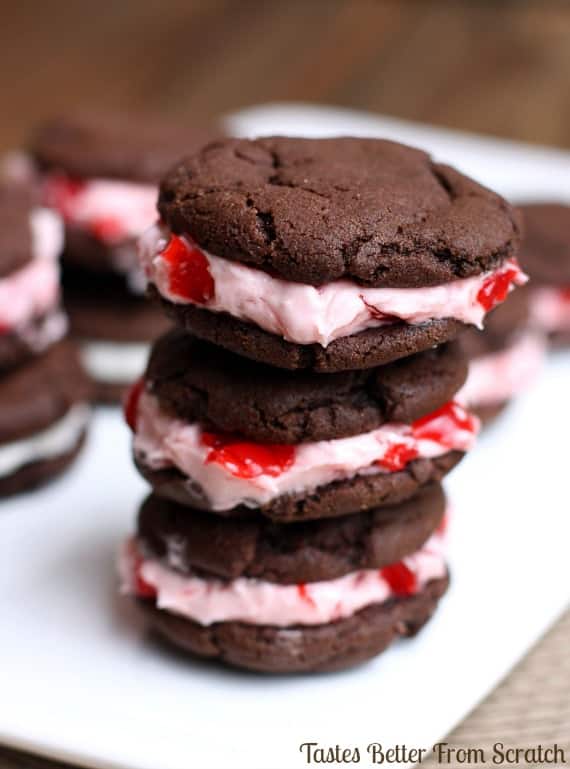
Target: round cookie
{"x":301,"y":649}
{"x":334,"y":499}
{"x":138,"y":148}
{"x":197,"y":381}
{"x":188,"y":540}
{"x":314,"y":211}
{"x":43,"y":418}
{"x":101,"y":172}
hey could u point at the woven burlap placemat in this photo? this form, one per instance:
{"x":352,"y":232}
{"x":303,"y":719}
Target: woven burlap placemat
{"x":531,"y":707}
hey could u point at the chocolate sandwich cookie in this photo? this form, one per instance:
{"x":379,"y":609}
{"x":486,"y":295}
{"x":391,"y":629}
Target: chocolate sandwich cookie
{"x":546,"y":257}
{"x":101,"y":173}
{"x":298,"y":626}
{"x":230,"y":436}
{"x":43,"y":418}
{"x":327,"y":254}
{"x":30,"y":242}
{"x":190,"y":541}
{"x":504,"y":359}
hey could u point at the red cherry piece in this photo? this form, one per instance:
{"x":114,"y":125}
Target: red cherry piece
{"x":4,"y":329}
{"x":440,"y":425}
{"x":565,"y":294}
{"x":401,"y":579}
{"x":248,"y":460}
{"x":142,"y":587}
{"x":304,"y":594}
{"x":378,"y":314}
{"x":496,"y":287}
{"x":107,"y":229}
{"x":189,"y":273}
{"x":398,"y":456}
{"x":131,"y":405}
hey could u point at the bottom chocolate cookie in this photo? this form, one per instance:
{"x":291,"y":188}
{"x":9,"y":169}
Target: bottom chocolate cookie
{"x":367,"y":349}
{"x":302,"y":649}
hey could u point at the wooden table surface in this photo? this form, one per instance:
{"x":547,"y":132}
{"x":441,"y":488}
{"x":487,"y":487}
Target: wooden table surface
{"x":494,"y":67}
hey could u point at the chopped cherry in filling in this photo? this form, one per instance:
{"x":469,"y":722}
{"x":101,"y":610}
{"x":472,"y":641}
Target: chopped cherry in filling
{"x":496,"y":287}
{"x":565,"y":294}
{"x":189,"y":272}
{"x":142,"y":587}
{"x":401,"y":579}
{"x":304,"y":593}
{"x":378,"y":314}
{"x":248,"y":460}
{"x":398,"y":456}
{"x":131,"y":405}
{"x":440,"y":425}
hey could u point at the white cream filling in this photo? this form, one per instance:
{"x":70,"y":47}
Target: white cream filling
{"x":54,"y":441}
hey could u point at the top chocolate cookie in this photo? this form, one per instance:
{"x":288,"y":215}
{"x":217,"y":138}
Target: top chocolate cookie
{"x":545,"y":251}
{"x":314,"y":211}
{"x":116,"y":146}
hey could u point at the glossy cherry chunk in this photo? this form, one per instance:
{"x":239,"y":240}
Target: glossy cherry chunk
{"x":189,"y":274}
{"x":248,"y":460}
{"x":304,"y":593}
{"x":441,"y":426}
{"x":401,"y":579}
{"x":397,"y":457}
{"x":496,"y":287}
{"x":131,"y":405}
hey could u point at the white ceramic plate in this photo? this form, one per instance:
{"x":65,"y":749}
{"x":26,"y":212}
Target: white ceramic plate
{"x":80,"y":680}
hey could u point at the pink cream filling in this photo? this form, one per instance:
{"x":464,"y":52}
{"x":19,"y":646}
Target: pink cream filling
{"x":498,"y":377}
{"x":33,"y":291}
{"x":306,"y":314}
{"x":550,"y":309}
{"x":258,"y":602}
{"x":162,"y":441}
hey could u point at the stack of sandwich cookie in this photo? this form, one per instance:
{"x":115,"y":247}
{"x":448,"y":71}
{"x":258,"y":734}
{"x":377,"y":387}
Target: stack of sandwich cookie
{"x":296,"y":426}
{"x":43,"y":393}
{"x":546,"y":257}
{"x":100,"y":172}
